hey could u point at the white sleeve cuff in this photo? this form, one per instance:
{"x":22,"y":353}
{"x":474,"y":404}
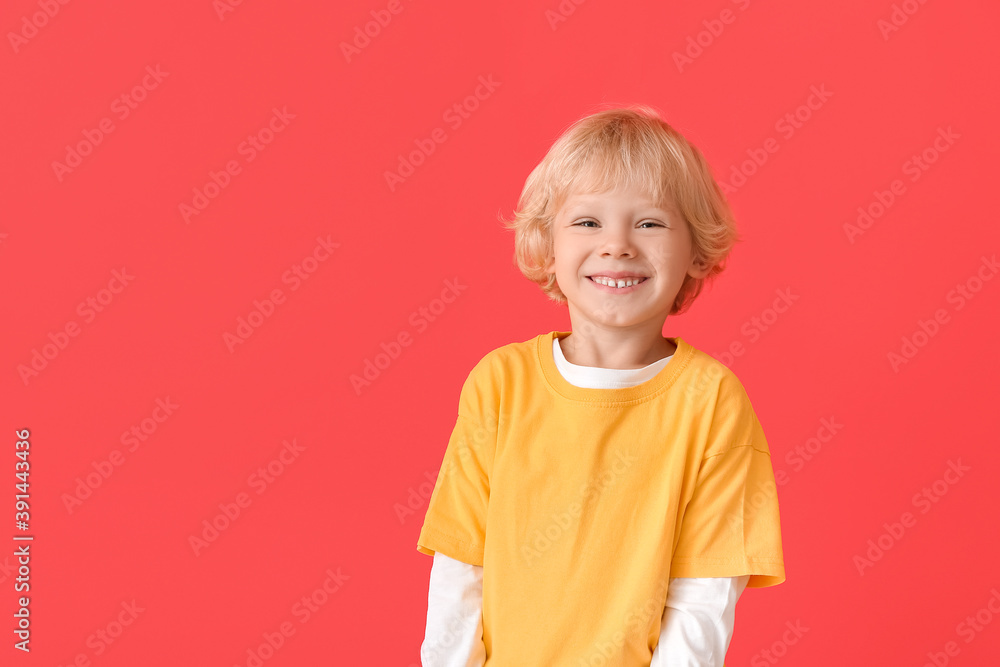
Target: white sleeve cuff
{"x":454,"y":633}
{"x":698,"y":620}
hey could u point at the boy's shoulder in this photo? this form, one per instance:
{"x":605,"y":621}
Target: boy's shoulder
{"x":715,"y":388}
{"x":700,"y":365}
{"x":709,"y":383}
{"x":483,"y":387}
{"x":509,"y":356}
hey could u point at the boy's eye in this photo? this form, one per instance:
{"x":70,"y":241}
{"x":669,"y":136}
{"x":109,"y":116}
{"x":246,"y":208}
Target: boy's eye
{"x":648,"y":222}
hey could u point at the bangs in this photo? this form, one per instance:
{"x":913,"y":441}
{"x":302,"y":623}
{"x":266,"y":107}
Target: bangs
{"x":618,"y":157}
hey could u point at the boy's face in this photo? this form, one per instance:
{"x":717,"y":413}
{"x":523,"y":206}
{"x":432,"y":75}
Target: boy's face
{"x":620,"y":232}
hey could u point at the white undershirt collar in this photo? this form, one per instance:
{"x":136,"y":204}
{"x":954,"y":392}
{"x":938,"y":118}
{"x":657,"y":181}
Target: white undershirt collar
{"x":593,"y":377}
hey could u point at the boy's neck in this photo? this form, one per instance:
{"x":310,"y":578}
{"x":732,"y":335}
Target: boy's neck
{"x":621,"y":354}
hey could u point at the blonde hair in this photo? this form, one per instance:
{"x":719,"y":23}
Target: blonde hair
{"x":623,"y":147}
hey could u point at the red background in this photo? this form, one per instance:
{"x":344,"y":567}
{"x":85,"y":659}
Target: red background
{"x":335,"y":506}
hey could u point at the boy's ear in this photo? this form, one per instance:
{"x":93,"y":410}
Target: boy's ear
{"x":550,"y":266}
{"x":699,"y":268}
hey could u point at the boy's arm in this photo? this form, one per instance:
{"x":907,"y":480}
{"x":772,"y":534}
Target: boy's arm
{"x":698,"y":620}
{"x":454,"y":634}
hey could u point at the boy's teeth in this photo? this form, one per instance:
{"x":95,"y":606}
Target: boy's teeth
{"x":617,"y":283}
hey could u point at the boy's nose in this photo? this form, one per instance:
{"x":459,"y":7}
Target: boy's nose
{"x":618,"y":245}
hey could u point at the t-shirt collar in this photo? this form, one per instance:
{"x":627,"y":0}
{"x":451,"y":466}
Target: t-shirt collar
{"x":661,"y":380}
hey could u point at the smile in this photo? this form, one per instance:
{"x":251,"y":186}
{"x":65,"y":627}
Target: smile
{"x":621,"y":285}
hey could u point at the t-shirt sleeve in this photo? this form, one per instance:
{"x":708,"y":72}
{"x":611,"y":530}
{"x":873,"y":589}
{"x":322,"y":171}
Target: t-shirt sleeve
{"x":455,"y":521}
{"x":730,"y":526}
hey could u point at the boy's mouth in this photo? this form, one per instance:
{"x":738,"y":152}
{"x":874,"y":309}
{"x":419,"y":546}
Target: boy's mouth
{"x":618,"y":283}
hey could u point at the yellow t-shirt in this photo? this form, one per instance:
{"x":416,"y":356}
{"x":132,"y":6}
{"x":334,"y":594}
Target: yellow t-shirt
{"x":580,"y":504}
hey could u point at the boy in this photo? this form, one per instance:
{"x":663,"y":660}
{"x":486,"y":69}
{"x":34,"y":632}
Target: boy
{"x":606,"y":493}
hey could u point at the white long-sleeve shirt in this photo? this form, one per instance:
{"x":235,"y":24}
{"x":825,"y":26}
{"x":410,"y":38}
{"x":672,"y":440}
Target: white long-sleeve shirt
{"x":698,"y":617}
